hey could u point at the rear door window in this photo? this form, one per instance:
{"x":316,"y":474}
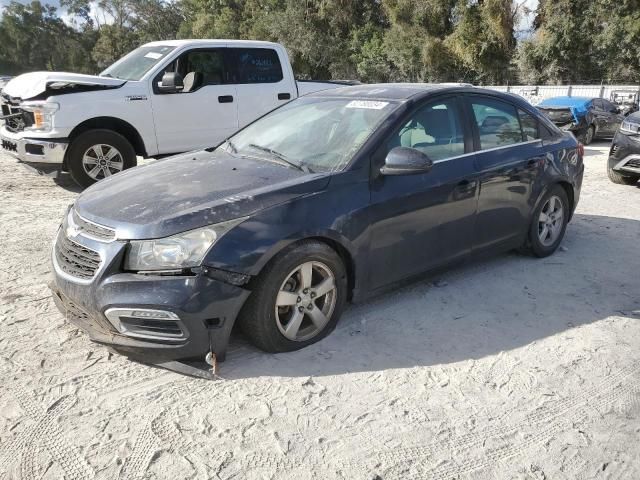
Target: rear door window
{"x":257,"y":65}
{"x":530,"y":126}
{"x":497,"y":121}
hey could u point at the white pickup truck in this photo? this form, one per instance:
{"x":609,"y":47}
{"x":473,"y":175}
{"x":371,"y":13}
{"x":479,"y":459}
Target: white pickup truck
{"x":162,"y":98}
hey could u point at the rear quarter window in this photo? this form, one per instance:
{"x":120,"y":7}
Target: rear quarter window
{"x":258,"y":65}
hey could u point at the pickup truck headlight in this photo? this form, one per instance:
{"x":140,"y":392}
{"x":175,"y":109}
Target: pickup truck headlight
{"x":42,"y":115}
{"x":630,"y":127}
{"x":178,"y":251}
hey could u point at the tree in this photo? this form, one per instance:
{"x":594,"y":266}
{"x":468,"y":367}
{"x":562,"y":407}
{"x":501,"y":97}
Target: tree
{"x":33,"y":37}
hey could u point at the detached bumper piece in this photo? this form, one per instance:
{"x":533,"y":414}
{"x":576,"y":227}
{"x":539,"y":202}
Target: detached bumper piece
{"x":31,"y":149}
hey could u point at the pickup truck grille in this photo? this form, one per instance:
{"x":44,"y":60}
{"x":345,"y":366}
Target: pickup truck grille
{"x":76,"y":260}
{"x":15,"y":119}
{"x":93,"y":230}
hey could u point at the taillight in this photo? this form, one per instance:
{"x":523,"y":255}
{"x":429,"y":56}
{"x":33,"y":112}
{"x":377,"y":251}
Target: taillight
{"x":580,"y":150}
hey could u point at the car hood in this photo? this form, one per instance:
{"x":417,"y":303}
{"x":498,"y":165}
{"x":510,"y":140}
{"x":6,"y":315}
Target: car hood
{"x":30,"y":85}
{"x":190,"y":191}
{"x":634,"y":117}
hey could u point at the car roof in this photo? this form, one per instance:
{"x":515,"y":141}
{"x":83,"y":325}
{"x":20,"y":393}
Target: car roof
{"x":401,"y":91}
{"x":211,"y":42}
{"x":565,"y":101}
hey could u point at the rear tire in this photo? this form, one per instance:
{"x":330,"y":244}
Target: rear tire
{"x":97,"y":154}
{"x":616,"y":177}
{"x":548,"y":223}
{"x":287,"y":304}
{"x":589,"y":135}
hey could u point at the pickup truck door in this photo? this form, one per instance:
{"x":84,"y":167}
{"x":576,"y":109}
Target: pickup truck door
{"x":260,"y":82}
{"x":205,"y":112}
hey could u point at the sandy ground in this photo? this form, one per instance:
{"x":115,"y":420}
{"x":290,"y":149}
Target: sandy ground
{"x":509,"y":367}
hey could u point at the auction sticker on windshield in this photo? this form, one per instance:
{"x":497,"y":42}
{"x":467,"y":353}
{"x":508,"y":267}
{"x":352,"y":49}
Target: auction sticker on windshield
{"x":153,"y":55}
{"x":370,"y":104}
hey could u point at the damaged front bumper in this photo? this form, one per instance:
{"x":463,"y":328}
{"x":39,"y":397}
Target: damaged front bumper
{"x":624,"y":155}
{"x":154,"y":318}
{"x":32,"y":149}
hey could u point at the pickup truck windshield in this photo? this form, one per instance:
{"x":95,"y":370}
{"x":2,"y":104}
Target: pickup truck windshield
{"x":319,"y":134}
{"x":135,"y":64}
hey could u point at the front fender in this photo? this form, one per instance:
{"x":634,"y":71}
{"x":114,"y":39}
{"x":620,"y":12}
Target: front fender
{"x":338,"y":217}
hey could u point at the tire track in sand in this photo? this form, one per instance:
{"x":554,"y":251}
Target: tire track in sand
{"x":618,"y":391}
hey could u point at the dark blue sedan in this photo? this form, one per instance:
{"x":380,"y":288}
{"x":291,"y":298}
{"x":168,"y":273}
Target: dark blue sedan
{"x":332,"y":198}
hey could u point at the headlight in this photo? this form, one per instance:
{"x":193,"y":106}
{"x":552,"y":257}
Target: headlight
{"x":630,"y":127}
{"x":42,"y":114}
{"x":176,"y":252}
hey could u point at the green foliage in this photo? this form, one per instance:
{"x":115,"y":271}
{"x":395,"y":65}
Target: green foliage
{"x":369,"y":40}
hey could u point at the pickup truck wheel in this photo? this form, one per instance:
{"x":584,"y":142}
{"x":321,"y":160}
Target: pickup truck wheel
{"x":297,"y":300}
{"x":97,"y":154}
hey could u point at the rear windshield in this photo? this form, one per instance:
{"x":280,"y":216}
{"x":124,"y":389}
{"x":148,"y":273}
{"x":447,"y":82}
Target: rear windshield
{"x":134,"y":65}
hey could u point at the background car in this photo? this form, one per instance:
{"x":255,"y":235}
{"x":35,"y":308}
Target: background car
{"x":624,"y":156}
{"x":626,"y":100}
{"x":336,"y":196}
{"x":587,"y":118}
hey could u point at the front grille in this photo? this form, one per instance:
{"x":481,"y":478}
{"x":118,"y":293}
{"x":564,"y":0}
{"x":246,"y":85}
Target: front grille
{"x":93,"y":230}
{"x":16,"y":119}
{"x":77,"y":315}
{"x":76,"y":260}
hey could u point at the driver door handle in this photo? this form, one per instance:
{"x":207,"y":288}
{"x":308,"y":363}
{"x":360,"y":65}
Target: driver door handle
{"x":225,"y":99}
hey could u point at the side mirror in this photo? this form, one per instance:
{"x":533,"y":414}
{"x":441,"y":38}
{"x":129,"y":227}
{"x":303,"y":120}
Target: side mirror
{"x":406,"y":161}
{"x":172,"y":82}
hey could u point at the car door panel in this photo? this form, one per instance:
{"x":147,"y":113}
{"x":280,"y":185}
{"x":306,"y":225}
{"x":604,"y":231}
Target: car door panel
{"x":419,"y":222}
{"x":507,"y":173}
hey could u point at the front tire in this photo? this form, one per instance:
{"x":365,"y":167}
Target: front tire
{"x":98,"y":154}
{"x":297,"y":300}
{"x":548,"y":223}
{"x":615,"y":177}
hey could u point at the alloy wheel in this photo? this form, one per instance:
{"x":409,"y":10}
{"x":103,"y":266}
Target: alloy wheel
{"x":306,"y":301}
{"x":550,"y":221}
{"x":101,"y":161}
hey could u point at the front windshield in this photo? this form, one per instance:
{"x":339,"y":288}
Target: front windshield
{"x":315,"y":134}
{"x":135,"y":64}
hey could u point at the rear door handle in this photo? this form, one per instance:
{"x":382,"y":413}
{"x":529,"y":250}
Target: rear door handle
{"x":284,"y":96}
{"x":225,"y":99}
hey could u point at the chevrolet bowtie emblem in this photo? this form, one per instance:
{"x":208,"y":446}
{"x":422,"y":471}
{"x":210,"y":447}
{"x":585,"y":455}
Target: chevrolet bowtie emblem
{"x":72,"y":230}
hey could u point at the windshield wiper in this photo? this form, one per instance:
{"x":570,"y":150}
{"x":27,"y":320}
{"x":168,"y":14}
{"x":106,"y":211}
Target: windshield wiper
{"x":298,"y":166}
{"x":232,"y":146}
